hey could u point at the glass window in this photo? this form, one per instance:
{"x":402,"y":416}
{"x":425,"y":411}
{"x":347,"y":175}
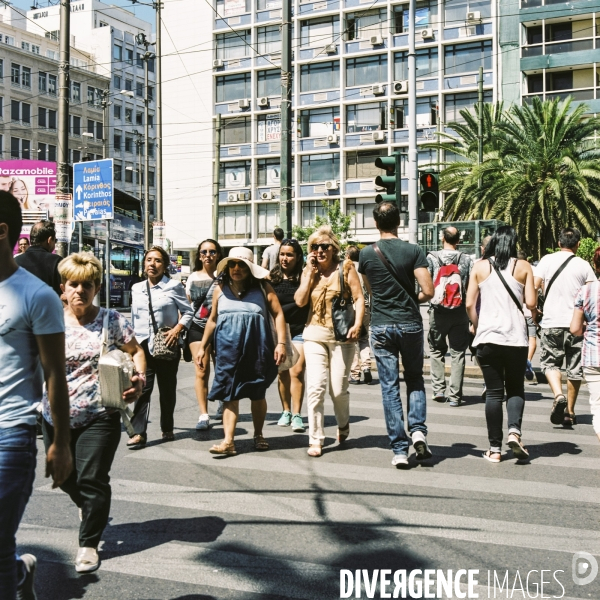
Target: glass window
{"x":35,"y":49}
{"x":456,"y":10}
{"x":139,"y":118}
{"x":139,"y":61}
{"x":26,"y":77}
{"x":534,"y":35}
{"x":42,"y":151}
{"x":129,"y":174}
{"x":234,"y":221}
{"x":52,"y":81}
{"x":151,"y":178}
{"x":139,"y":89}
{"x":233,"y":175}
{"x":236,"y":131}
{"x":268,"y":218}
{"x":426,"y":61}
{"x":319,"y":121}
{"x":15,"y":76}
{"x":466,"y":58}
{"x":425,"y":16}
{"x":268,"y":127}
{"x":535,"y":83}
{"x":99,"y":130}
{"x":117,"y":111}
{"x":117,"y":52}
{"x":128,"y":115}
{"x":233,"y":45}
{"x":90,"y":126}
{"x":370,"y":116}
{"x":117,"y":82}
{"x":361,"y":165}
{"x":269,"y":83}
{"x":75,"y":125}
{"x":128,"y":144}
{"x":268,"y":4}
{"x":15,"y":111}
{"x":15,"y":147}
{"x":129,"y":85}
{"x":25,"y":46}
{"x":319,"y":167}
{"x":426,"y":112}
{"x":319,"y":76}
{"x":363,"y":213}
{"x":26,"y":149}
{"x":25,"y":113}
{"x":76,"y":91}
{"x":129,"y":56}
{"x":42,"y":121}
{"x":51,"y":119}
{"x":269,"y":39}
{"x":233,"y":87}
{"x":117,"y":140}
{"x":316,"y":33}
{"x":454,"y":103}
{"x":51,"y":153}
{"x":361,"y":26}
{"x":269,"y":170}
{"x":366,"y":70}
{"x":118,"y":171}
{"x":310,"y":209}
{"x":42,"y":82}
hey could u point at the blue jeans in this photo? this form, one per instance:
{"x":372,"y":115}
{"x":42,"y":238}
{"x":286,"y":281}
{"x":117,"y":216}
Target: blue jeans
{"x":389,"y":342}
{"x":17,"y":472}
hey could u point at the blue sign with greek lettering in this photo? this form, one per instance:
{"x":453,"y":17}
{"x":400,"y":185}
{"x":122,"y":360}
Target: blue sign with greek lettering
{"x":93,"y":188}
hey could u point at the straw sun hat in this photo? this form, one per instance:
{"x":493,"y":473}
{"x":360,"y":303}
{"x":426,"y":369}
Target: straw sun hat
{"x":246,"y":255}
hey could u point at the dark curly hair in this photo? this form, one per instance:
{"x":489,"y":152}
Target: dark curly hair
{"x":277,"y":272}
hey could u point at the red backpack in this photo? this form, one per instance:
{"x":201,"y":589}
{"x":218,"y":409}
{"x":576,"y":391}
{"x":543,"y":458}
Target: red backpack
{"x":448,"y":292}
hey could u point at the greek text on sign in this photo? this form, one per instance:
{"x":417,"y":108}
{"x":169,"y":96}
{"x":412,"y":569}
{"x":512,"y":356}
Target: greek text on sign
{"x":93,"y":190}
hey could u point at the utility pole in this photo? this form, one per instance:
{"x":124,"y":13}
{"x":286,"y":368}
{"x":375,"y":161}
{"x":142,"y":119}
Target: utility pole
{"x":62,"y":181}
{"x":146,"y":205}
{"x":480,"y":124}
{"x":413,"y":196}
{"x":285,"y":208}
{"x":105,"y":104}
{"x":159,"y":171}
{"x":216,"y":170}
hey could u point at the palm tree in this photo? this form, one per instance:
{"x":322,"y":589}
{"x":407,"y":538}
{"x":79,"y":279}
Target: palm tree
{"x":540,"y":170}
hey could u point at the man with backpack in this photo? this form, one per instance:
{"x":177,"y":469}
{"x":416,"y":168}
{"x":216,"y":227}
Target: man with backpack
{"x":448,"y":321}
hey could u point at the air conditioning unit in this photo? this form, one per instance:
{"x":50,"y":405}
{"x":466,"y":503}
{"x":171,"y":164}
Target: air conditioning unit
{"x":376,"y":40}
{"x":401,"y":87}
{"x":233,"y":197}
{"x":266,"y":196}
{"x":333,"y":138}
{"x":264,"y":101}
{"x":378,"y":89}
{"x":217,"y":63}
{"x":427,"y":34}
{"x":332,"y":184}
{"x":331,"y":49}
{"x":378,"y":136}
{"x":244,"y":103}
{"x":474,"y":17}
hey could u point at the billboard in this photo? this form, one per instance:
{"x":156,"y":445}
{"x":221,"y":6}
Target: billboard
{"x":32,"y":183}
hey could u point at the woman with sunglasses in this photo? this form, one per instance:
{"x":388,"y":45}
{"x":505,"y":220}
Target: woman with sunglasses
{"x":199,"y":289}
{"x":285,"y":279}
{"x":246,"y":355}
{"x":328,"y":361}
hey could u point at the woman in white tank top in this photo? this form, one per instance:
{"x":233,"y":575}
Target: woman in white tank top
{"x":501,"y":335}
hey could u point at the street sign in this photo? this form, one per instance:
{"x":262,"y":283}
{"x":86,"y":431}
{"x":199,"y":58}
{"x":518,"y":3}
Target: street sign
{"x":93,"y":190}
{"x":63,"y":217}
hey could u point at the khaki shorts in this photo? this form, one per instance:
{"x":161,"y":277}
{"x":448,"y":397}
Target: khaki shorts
{"x":558,"y":345}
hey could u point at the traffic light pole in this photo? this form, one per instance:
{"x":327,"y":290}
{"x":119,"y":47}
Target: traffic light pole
{"x":413,"y":197}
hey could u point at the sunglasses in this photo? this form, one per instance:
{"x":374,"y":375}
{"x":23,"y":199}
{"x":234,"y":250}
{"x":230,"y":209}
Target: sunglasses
{"x":210,"y":252}
{"x":289,"y":241}
{"x":322,"y":247}
{"x":236,"y":263}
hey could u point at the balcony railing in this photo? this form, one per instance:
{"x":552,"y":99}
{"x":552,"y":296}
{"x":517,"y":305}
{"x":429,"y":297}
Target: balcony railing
{"x":557,"y":47}
{"x":575,"y":94}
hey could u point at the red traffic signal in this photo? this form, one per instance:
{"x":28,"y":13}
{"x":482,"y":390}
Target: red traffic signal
{"x":429,"y":182}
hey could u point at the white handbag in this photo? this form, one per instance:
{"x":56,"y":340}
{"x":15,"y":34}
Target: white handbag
{"x":115,"y":371}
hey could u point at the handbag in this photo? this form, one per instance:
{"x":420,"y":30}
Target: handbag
{"x":115,"y":372}
{"x":542,"y":297}
{"x":161,"y":350}
{"x":342,"y":312}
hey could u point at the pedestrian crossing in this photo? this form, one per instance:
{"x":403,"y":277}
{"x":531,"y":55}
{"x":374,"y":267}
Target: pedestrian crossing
{"x":281,"y":525}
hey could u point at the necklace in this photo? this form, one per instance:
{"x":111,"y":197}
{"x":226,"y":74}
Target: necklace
{"x":239,"y":294}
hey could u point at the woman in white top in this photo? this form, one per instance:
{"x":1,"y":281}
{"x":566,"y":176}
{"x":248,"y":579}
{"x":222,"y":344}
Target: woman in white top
{"x":501,"y":335}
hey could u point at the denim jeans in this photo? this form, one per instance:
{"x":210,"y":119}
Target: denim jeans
{"x":17,"y":472}
{"x":389,"y":342}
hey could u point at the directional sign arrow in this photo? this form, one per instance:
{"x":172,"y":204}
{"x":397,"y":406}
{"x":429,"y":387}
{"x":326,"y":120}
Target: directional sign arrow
{"x":79,"y":189}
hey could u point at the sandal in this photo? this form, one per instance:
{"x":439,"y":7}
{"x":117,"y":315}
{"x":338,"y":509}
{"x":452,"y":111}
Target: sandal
{"x":227,"y":449}
{"x":515,"y":444}
{"x":558,"y":409}
{"x":343,"y":433}
{"x":137,"y":442}
{"x":569,"y":420}
{"x":494,"y":457}
{"x":315,"y":450}
{"x":168,"y":436}
{"x":260,"y":443}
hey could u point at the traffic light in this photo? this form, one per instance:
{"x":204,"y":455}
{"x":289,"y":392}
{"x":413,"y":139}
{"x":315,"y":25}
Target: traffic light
{"x":430,"y":196}
{"x":391,"y":180}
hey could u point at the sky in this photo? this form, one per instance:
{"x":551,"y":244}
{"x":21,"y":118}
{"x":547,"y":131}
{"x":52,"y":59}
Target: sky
{"x":143,"y":12}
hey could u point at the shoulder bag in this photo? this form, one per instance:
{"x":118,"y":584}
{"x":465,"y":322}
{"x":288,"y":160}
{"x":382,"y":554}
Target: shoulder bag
{"x":542,"y":297}
{"x":342,"y":311}
{"x":161,"y":350}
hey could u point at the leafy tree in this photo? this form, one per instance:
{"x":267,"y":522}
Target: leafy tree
{"x":540,"y":170}
{"x":587,"y":249}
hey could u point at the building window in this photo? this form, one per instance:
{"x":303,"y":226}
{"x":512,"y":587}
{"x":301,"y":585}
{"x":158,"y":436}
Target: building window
{"x":35,"y":49}
{"x":456,"y":10}
{"x":151,"y":182}
{"x":150,"y":93}
{"x":51,"y":153}
{"x":466,"y":58}
{"x":128,"y":115}
{"x":93,"y":96}
{"x":362,"y":25}
{"x":117,"y":82}
{"x":42,"y":121}
{"x":20,"y":148}
{"x":310,"y":209}
{"x":233,"y":87}
{"x":91,"y":127}
{"x":42,"y":82}
{"x":42,"y":151}
{"x":366,"y":70}
{"x":151,"y":121}
{"x":319,"y":167}
{"x":269,"y":83}
{"x":426,"y":112}
{"x":361,"y":165}
{"x":234,"y":221}
{"x":25,"y":46}
{"x":363,"y":213}
{"x":234,"y":175}
{"x":15,"y":111}
{"x":268,"y":218}
{"x":425,"y":16}
{"x":426,"y":61}
{"x":269,"y":171}
{"x":8,"y":40}
{"x":117,"y":141}
{"x":129,"y":56}
{"x":75,"y":91}
{"x":268,"y":127}
{"x":139,"y":118}
{"x":20,"y":112}
{"x":52,"y":81}
{"x":139,"y":61}
{"x":128,"y":144}
{"x":117,"y":111}
{"x":269,"y":40}
{"x":129,"y":85}
{"x":15,"y":74}
{"x":1,"y":74}
{"x":370,"y":116}
{"x":25,"y":77}
{"x":75,"y":125}
{"x":151,"y":149}
{"x":117,"y":53}
{"x":52,"y":119}
{"x":233,"y":45}
{"x":99,"y":130}
{"x":236,"y":131}
{"x":118,"y":171}
{"x":129,"y":174}
{"x":139,"y":89}
{"x":316,"y":33}
{"x":319,"y":121}
{"x":454,"y":103}
{"x":268,"y":4}
{"x":319,"y":76}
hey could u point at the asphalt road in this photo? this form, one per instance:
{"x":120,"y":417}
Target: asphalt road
{"x":279,"y":524}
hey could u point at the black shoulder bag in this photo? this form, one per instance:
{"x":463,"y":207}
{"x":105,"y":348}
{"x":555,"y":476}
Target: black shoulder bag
{"x":542,"y":298}
{"x":342,"y":311}
{"x":161,"y":350}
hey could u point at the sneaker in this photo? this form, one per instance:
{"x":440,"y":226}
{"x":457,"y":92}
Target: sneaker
{"x":203,"y":423}
{"x":440,"y":399}
{"x":87,"y":560}
{"x":455,"y":402}
{"x":286,"y":419}
{"x":400,"y":461}
{"x":420,"y":444}
{"x":354,"y":380}
{"x":219,"y":414}
{"x":529,"y":371}
{"x":26,"y":591}
{"x":298,"y":424}
{"x":368,"y":377}
{"x":558,"y":409}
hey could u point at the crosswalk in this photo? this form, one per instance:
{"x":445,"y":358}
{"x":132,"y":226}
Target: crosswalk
{"x":281,"y":525}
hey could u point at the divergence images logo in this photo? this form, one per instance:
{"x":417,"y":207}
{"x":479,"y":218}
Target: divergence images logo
{"x":585,"y":568}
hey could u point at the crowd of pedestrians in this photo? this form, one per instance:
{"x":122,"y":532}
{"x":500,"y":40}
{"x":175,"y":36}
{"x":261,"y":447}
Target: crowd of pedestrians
{"x":311,"y":324}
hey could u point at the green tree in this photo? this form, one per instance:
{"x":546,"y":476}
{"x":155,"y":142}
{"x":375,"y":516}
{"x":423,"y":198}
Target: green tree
{"x":587,"y":249}
{"x":540,"y":170}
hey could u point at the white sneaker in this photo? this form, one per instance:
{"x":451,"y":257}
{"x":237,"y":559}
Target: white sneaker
{"x":26,"y":590}
{"x":203,"y":423}
{"x":87,"y":560}
{"x":400,"y":460}
{"x":420,"y":444}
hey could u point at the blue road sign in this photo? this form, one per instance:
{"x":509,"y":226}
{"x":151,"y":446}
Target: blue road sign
{"x":93,"y":190}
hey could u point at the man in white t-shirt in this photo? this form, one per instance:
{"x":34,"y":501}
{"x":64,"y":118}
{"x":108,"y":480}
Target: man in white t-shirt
{"x":558,"y":344}
{"x":32,"y":349}
{"x":269,"y":257}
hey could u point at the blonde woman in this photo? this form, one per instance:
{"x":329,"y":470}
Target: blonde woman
{"x":19,"y":190}
{"x":328,"y":361}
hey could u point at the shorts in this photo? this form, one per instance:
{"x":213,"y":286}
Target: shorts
{"x":298,"y":339}
{"x":558,"y":345}
{"x":195,"y":333}
{"x":531,"y":327}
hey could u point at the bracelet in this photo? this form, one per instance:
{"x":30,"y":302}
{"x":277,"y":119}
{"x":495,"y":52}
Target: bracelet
{"x":141,"y":376}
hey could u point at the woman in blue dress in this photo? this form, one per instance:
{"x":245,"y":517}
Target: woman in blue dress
{"x":247,"y":351}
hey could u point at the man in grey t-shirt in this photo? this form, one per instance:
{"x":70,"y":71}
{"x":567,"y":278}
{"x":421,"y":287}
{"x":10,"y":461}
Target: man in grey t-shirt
{"x":272,"y":252}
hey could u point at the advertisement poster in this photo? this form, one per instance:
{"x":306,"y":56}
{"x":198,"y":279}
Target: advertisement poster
{"x":234,"y":7}
{"x":32,"y":183}
{"x":269,"y":130}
